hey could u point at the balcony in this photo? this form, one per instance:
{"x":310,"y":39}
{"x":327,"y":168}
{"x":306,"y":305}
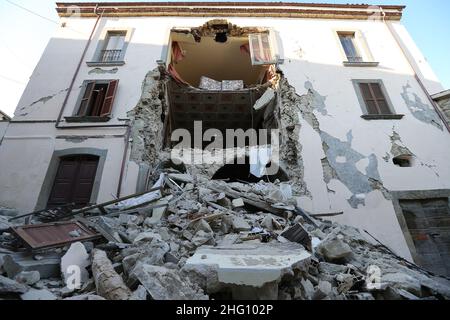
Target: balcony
{"x":110,"y":55}
{"x":108,"y":58}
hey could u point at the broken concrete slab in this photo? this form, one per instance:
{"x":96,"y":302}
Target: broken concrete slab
{"x":402,"y":281}
{"x":239,"y":224}
{"x":147,"y":236}
{"x":11,"y":286}
{"x":334,"y":249}
{"x":76,"y":257}
{"x":166,"y":284}
{"x":246,"y":265}
{"x":34,"y":294}
{"x":267,"y":97}
{"x":238,"y":203}
{"x":86,"y":297}
{"x":48,"y":266}
{"x":28,"y":277}
{"x":324,"y":290}
{"x":202,"y":237}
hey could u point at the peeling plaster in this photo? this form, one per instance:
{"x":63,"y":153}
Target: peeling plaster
{"x":103,"y":71}
{"x":318,"y":100}
{"x":398,"y":148}
{"x":421,"y":111}
{"x":358,"y":183}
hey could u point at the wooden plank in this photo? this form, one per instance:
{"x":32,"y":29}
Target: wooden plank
{"x":257,"y":204}
{"x":331,"y":214}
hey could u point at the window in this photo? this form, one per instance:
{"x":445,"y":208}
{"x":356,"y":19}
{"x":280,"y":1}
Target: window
{"x":261,"y":49}
{"x":348,"y":44}
{"x":374,"y":100}
{"x":96,"y":101}
{"x":114,"y":45}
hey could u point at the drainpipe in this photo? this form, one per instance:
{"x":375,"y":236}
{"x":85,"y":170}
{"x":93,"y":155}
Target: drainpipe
{"x":415,"y":71}
{"x":124,"y":160}
{"x":58,"y":120}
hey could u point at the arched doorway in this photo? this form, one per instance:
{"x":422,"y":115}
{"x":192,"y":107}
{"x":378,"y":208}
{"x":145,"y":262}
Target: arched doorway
{"x":235,"y":172}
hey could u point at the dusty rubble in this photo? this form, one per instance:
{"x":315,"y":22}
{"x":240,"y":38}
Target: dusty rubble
{"x":195,"y":238}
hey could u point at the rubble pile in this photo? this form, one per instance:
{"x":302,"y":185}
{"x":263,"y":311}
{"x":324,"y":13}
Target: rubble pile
{"x":194,"y":238}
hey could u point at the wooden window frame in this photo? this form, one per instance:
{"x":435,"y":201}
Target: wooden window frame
{"x":362,"y":101}
{"x":353,"y":42}
{"x":361,"y":46}
{"x":84,"y":100}
{"x":272,"y":47}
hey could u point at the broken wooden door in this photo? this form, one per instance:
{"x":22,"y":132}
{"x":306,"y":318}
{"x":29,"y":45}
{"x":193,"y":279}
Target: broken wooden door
{"x":74,"y":180}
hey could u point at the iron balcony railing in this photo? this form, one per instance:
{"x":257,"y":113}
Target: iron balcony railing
{"x":110,"y":55}
{"x":355,"y":59}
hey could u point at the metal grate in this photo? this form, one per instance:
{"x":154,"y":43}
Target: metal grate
{"x":110,"y":55}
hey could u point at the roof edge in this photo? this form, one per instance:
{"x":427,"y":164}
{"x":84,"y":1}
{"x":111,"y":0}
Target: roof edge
{"x":248,"y":9}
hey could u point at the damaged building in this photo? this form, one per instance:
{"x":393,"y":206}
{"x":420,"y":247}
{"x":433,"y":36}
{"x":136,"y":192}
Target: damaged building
{"x":260,"y":119}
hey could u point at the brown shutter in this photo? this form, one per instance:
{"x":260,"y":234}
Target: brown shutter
{"x":380,"y":98}
{"x":109,"y":98}
{"x":89,"y":88}
{"x":98,"y":102}
{"x":368,"y":98}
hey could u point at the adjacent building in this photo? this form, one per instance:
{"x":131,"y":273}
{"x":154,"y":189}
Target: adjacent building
{"x":344,"y":87}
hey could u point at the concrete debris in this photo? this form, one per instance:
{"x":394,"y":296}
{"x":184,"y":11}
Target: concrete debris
{"x":48,"y":266}
{"x":11,"y":286}
{"x":34,"y":294}
{"x":86,"y":297}
{"x":28,"y":277}
{"x":166,"y":284}
{"x":246,"y":266}
{"x":197,"y":238}
{"x":109,"y":284}
{"x":334,"y":249}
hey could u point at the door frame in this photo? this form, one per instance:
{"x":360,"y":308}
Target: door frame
{"x":413,"y":195}
{"x":52,"y":170}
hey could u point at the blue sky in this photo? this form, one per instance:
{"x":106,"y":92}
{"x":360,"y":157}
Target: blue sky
{"x":24,"y":36}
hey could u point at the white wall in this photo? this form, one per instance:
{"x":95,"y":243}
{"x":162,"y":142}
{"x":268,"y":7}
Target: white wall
{"x":312,"y":53}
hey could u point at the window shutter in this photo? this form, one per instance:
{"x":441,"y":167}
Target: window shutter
{"x":89,"y":88}
{"x":380,"y":99}
{"x":374,"y":98}
{"x":261,"y":49}
{"x":109,"y":98}
{"x":98,"y":102}
{"x":368,"y":98}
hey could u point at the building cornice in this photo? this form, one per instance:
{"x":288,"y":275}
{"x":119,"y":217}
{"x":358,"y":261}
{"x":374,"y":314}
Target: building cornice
{"x":230,"y":9}
{"x":441,"y":95}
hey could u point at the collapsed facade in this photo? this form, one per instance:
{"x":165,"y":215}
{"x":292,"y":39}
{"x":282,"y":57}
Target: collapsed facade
{"x":343,"y":86}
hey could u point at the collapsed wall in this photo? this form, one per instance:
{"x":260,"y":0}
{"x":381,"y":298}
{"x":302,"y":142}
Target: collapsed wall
{"x":150,"y":138}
